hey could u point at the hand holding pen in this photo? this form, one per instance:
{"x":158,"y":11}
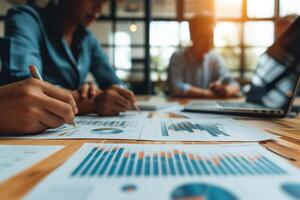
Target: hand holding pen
{"x":62,"y":105}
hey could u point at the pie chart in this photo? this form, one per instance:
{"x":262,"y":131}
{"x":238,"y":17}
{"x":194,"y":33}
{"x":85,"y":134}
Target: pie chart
{"x":292,"y":189}
{"x":201,"y":191}
{"x":129,"y":188}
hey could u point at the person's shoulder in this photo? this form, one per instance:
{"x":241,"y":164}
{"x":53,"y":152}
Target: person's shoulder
{"x":91,"y":38}
{"x":24,"y":13}
{"x":213,"y":55}
{"x":179,"y":54}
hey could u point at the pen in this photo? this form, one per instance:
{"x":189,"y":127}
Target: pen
{"x":134,"y":105}
{"x":35,"y":74}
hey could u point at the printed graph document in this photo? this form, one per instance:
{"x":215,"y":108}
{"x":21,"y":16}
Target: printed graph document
{"x":173,"y":172}
{"x":97,"y":128}
{"x":202,"y":130}
{"x":16,"y":158}
{"x":157,"y":129}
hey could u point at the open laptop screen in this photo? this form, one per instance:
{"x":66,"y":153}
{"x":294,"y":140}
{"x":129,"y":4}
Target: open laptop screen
{"x":275,"y":81}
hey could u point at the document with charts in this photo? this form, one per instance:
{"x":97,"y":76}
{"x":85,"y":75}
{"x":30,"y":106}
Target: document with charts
{"x":16,"y":158}
{"x":202,"y":130}
{"x":157,"y":130}
{"x":174,"y":172}
{"x":97,"y":128}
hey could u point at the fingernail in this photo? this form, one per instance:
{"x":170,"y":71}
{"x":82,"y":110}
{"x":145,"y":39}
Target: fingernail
{"x":76,"y":110}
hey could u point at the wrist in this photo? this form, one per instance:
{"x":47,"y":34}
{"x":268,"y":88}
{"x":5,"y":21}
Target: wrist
{"x":85,"y":106}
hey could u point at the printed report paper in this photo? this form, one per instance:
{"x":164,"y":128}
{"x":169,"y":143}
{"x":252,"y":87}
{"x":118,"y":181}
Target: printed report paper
{"x":157,"y":130}
{"x":16,"y":158}
{"x":211,"y":172}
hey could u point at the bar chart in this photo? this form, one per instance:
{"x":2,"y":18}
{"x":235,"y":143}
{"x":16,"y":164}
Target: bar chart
{"x":126,"y":162}
{"x":176,"y":172}
{"x":213,"y":129}
{"x":107,"y":123}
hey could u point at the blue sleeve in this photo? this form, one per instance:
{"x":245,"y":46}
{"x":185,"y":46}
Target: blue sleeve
{"x":103,"y":72}
{"x":23,"y":32}
{"x":176,"y":84}
{"x":222,"y":72}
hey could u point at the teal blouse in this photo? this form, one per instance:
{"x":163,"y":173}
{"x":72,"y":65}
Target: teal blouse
{"x":33,"y":36}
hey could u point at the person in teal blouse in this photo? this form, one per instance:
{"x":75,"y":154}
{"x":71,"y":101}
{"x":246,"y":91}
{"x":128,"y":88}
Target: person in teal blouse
{"x":57,"y":41}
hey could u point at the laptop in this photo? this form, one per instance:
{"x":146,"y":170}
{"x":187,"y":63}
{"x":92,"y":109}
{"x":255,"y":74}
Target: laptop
{"x":274,"y":84}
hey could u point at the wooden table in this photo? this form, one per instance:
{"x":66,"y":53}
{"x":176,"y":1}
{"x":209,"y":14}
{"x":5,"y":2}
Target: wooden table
{"x":287,"y":146}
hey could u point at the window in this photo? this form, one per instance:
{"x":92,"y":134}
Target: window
{"x":228,"y":8}
{"x":130,"y":8}
{"x":288,"y":7}
{"x":194,"y":7}
{"x":256,"y":10}
{"x":227,"y":40}
{"x":1,"y":29}
{"x":244,"y":30}
{"x":259,"y":33}
{"x":164,"y":8}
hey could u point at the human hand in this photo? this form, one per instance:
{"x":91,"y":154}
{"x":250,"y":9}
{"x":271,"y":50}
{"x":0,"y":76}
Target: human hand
{"x":196,"y":92}
{"x":89,"y":90}
{"x":114,"y":100}
{"x":32,"y":106}
{"x":220,"y":89}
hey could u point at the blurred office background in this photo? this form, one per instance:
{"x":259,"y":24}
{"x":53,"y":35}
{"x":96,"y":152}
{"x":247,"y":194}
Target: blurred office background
{"x":139,"y":36}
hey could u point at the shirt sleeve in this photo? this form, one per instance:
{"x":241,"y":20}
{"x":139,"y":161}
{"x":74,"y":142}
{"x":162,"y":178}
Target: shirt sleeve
{"x":24,"y":34}
{"x":103,"y":72}
{"x":176,"y":84}
{"x":222,"y":73}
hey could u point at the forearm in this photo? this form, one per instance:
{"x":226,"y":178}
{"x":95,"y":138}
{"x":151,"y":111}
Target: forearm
{"x":84,"y":105}
{"x":233,"y":89}
{"x":195,"y":92}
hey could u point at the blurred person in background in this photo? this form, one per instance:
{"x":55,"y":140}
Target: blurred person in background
{"x":197,"y":71}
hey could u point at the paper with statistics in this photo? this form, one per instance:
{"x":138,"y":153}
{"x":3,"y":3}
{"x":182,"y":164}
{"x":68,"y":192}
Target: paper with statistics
{"x":157,"y":130}
{"x":96,"y":128}
{"x":16,"y":158}
{"x":202,"y":130}
{"x":175,"y":172}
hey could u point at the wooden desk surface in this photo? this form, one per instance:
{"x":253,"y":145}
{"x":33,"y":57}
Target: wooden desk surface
{"x":287,"y":146}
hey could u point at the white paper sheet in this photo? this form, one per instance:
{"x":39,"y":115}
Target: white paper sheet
{"x":127,"y":172}
{"x":157,"y":129}
{"x":16,"y":158}
{"x":97,"y":128}
{"x":202,"y":130}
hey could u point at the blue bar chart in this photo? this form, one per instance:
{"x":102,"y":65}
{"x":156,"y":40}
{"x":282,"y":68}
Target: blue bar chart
{"x":106,"y":123}
{"x":122,"y":162}
{"x":171,"y":171}
{"x":213,"y":129}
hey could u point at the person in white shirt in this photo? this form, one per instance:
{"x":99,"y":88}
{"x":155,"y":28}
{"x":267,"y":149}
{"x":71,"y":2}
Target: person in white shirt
{"x":197,"y":71}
